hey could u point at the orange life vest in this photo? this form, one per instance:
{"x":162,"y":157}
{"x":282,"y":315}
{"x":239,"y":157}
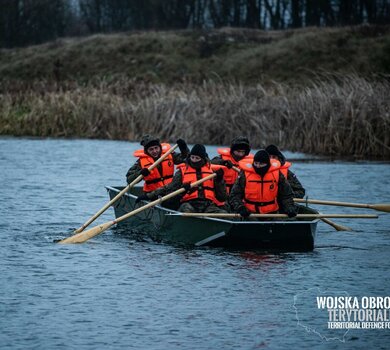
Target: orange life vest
{"x":261,"y":192}
{"x":156,"y":179}
{"x":283,"y":168}
{"x":230,"y":175}
{"x":189,"y":175}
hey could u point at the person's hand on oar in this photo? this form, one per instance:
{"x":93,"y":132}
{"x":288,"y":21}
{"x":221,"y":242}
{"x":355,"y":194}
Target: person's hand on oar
{"x":244,"y":212}
{"x":292,"y":213}
{"x":187,"y":187}
{"x":145,"y":172}
{"x":228,"y":164}
{"x":142,"y":197}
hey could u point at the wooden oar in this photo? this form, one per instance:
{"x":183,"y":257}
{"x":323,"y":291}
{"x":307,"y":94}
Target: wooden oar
{"x":380,"y":207}
{"x":299,"y":216}
{"x":121,"y":193}
{"x":86,"y":235}
{"x":326,"y":221}
{"x":338,"y":227}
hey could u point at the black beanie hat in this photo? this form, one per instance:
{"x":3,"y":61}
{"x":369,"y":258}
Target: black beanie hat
{"x":274,"y":151}
{"x":240,"y":142}
{"x":149,"y":141}
{"x":262,"y":156}
{"x":199,"y":150}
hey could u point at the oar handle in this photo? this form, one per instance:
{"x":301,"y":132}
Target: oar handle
{"x":340,"y":204}
{"x":107,"y":205}
{"x":299,"y":216}
{"x":86,"y":235}
{"x":164,"y":198}
{"x":379,"y":207}
{"x":125,"y":190}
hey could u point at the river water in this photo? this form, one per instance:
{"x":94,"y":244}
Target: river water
{"x":115,"y":292}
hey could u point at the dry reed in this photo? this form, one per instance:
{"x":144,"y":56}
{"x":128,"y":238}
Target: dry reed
{"x":333,"y":116}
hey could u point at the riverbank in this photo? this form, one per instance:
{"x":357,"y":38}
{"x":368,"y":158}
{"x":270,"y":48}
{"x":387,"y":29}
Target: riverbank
{"x":247,"y":82}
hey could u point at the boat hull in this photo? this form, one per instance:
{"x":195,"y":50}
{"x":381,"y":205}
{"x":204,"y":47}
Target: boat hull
{"x":163,"y":224}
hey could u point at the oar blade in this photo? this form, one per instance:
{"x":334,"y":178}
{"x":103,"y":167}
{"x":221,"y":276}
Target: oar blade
{"x":381,"y":207}
{"x":337,"y":227}
{"x":88,"y":234}
{"x":126,"y":189}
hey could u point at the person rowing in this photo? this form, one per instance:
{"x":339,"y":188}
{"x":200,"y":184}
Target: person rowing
{"x":163,"y":173}
{"x":202,"y":199}
{"x":261,"y":188}
{"x":230,"y":157}
{"x":296,"y":186}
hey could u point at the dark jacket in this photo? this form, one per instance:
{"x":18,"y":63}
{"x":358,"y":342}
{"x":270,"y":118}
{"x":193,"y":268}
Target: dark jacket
{"x":177,"y":182}
{"x":135,"y":170}
{"x":296,"y":186}
{"x":218,"y":160}
{"x":285,"y":195}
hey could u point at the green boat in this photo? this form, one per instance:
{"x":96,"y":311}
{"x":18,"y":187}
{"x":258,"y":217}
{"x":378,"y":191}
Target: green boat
{"x":166,"y":225}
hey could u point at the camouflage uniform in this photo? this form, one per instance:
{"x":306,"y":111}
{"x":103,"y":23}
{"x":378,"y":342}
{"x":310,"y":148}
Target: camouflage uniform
{"x":296,"y":186}
{"x":285,"y":195}
{"x":240,"y":142}
{"x":218,"y":160}
{"x":135,"y":170}
{"x":199,"y":205}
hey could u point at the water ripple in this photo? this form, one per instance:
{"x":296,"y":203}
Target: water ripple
{"x":120,"y":291}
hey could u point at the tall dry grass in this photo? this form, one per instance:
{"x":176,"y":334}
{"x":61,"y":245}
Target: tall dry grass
{"x":333,"y":116}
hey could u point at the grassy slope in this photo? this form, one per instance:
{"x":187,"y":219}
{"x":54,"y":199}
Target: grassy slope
{"x":232,"y":54}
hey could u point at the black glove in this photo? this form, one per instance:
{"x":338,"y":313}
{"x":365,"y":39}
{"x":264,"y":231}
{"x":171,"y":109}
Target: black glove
{"x":244,"y":212}
{"x":182,"y":145}
{"x":219,"y":176}
{"x":142,"y":197}
{"x":145,"y":172}
{"x":187,"y":186}
{"x":292,"y":213}
{"x":228,"y":164}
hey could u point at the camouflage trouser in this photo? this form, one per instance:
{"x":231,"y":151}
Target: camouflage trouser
{"x":226,"y":207}
{"x":200,"y":207}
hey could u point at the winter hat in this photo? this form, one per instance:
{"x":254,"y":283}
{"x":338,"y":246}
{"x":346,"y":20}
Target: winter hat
{"x":149,"y":141}
{"x":274,"y":151}
{"x":199,"y":150}
{"x":240,"y":142}
{"x":262,"y":156}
